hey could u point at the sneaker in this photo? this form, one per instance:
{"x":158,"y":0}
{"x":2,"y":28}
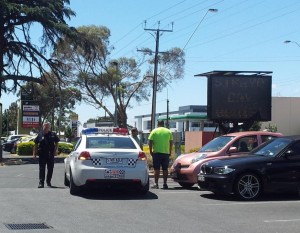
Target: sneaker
{"x":49,"y":184}
{"x":41,"y":185}
{"x":155,"y":186}
{"x":165,"y":186}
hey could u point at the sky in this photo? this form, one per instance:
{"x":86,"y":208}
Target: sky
{"x":244,"y":35}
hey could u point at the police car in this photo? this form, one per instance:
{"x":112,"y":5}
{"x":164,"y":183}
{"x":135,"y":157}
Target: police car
{"x":106,"y":157}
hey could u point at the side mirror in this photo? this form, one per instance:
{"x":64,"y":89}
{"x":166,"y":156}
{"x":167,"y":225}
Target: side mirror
{"x":232,"y":149}
{"x":288,"y":153}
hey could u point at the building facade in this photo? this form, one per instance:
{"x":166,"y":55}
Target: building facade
{"x":285,"y":117}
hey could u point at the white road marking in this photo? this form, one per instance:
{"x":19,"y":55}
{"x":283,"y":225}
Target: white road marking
{"x":287,"y":220}
{"x":19,"y":175}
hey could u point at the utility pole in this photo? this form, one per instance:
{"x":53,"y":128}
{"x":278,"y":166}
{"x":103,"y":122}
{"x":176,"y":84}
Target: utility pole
{"x":168,"y":123}
{"x":157,"y":32}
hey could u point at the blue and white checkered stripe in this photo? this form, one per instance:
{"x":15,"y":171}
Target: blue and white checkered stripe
{"x":132,"y":162}
{"x":96,"y":161}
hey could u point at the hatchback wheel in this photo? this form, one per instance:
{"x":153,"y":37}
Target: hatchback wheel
{"x":186,"y":185}
{"x":248,"y":186}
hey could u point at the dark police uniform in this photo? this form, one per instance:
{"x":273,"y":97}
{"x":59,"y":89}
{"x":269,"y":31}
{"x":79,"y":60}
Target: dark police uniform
{"x":46,"y":150}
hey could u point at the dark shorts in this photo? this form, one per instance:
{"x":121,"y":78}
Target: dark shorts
{"x":160,"y":159}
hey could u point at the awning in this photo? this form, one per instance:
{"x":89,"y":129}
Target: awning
{"x":188,"y":116}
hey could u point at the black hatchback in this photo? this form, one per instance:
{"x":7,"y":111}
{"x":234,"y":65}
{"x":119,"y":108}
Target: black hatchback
{"x":9,"y":145}
{"x":273,"y":166}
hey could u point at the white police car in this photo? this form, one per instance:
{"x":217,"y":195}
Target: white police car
{"x":106,"y":157}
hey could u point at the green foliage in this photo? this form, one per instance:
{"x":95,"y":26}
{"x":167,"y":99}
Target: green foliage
{"x":119,"y":80}
{"x":65,"y":148}
{"x":17,"y":49}
{"x":149,"y":157}
{"x":68,"y":132}
{"x":271,"y":128}
{"x":25,"y":148}
{"x":256,"y":126}
{"x":194,"y":149}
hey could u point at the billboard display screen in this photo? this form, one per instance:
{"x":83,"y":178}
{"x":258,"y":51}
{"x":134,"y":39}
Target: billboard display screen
{"x":239,"y":98}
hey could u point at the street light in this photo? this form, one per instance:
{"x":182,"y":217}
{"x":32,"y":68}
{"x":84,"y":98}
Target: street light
{"x":290,"y":41}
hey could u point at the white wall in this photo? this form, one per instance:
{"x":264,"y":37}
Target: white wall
{"x":285,"y":115}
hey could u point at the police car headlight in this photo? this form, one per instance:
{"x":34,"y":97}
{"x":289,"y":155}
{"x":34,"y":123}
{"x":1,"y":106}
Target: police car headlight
{"x":223,"y":170}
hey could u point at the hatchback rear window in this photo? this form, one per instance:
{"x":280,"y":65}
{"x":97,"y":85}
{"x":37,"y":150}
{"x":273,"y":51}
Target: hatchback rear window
{"x":110,"y":142}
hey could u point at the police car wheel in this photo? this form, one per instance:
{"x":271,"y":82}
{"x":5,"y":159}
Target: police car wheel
{"x":74,"y":189}
{"x":66,"y":181}
{"x":144,"y":189}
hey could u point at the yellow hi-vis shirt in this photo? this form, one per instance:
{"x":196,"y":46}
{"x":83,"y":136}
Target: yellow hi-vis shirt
{"x":161,"y":138}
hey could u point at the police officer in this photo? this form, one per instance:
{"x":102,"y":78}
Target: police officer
{"x":45,"y":146}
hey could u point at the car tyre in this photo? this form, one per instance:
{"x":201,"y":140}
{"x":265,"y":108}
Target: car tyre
{"x":66,"y":181}
{"x":248,"y":186}
{"x":144,"y":189}
{"x":13,"y":150}
{"x":186,"y":185}
{"x":74,"y":189}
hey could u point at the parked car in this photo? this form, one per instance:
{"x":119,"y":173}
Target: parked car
{"x":11,"y":137}
{"x":273,"y":166}
{"x":9,"y":145}
{"x":3,"y":139}
{"x":186,"y":167}
{"x":106,"y":157}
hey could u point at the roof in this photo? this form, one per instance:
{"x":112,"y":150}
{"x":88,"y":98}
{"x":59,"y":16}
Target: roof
{"x":234,"y":73}
{"x":187,"y":116}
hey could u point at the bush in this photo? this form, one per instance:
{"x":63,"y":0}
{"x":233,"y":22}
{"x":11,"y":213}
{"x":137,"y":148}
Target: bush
{"x":149,"y":157}
{"x":65,"y":147}
{"x":26,"y":148}
{"x":194,"y":149}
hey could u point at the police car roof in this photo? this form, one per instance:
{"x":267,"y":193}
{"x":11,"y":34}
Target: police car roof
{"x":104,"y":130}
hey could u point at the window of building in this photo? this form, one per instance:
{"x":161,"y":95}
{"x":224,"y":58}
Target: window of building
{"x":195,"y":124}
{"x":147,"y":125}
{"x":172,"y":125}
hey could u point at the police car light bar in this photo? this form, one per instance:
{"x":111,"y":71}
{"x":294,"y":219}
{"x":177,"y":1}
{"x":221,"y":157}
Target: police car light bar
{"x":105,"y":130}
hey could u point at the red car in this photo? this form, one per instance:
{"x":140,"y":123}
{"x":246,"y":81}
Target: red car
{"x":186,"y":167}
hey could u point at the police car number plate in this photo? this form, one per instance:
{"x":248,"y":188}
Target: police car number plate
{"x":114,"y":174}
{"x":114,"y":160}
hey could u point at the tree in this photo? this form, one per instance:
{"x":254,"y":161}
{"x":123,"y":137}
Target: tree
{"x":9,"y":118}
{"x":17,"y":48}
{"x":101,"y":78}
{"x":55,"y":102}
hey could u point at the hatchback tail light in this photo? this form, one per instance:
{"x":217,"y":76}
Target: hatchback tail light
{"x":84,"y":155}
{"x":142,"y":156}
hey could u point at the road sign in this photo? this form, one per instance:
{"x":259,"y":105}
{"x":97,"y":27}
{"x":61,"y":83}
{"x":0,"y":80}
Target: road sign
{"x":30,"y":114}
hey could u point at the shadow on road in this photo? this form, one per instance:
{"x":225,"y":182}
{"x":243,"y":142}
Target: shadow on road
{"x":113,"y":194}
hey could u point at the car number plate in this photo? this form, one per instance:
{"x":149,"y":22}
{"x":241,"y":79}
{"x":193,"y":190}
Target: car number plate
{"x":114,"y":160}
{"x":114,"y":174}
{"x":201,"y":178}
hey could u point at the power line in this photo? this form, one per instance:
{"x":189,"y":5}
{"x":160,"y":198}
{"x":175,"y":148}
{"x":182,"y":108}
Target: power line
{"x":157,"y":32}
